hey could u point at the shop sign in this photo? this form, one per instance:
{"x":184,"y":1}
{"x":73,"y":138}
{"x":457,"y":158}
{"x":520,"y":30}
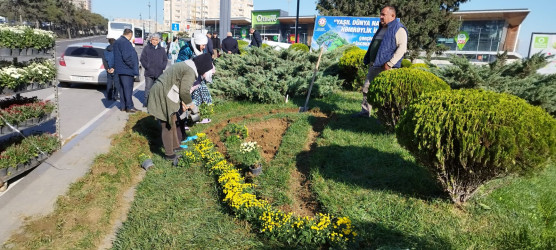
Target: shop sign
{"x":335,"y":31}
{"x":461,"y":39}
{"x":265,"y":17}
{"x":544,"y":43}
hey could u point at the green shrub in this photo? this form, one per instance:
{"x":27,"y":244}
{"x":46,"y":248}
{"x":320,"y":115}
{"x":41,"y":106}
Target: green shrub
{"x":406,"y":63}
{"x":468,"y":137}
{"x":300,"y":47}
{"x":266,"y":75}
{"x":419,"y":66}
{"x":242,"y":45}
{"x":393,"y":90}
{"x":353,"y":71}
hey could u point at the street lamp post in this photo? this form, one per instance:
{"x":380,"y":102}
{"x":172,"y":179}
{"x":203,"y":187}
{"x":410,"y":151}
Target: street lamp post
{"x":156,"y":16}
{"x":478,"y":42}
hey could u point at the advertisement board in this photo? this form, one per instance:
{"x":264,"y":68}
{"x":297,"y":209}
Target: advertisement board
{"x":335,"y":31}
{"x":546,"y":44}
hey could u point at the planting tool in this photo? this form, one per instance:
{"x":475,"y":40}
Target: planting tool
{"x":304,"y":108}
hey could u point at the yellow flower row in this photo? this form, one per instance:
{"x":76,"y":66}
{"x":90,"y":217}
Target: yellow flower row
{"x":271,"y":220}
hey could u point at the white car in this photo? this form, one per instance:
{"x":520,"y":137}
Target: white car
{"x":82,"y":63}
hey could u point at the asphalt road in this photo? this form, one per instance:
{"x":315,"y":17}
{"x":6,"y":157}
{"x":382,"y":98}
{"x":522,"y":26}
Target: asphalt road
{"x":81,"y":104}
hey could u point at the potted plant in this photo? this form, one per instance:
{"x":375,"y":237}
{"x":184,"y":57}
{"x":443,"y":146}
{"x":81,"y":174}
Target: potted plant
{"x":250,"y":155}
{"x":146,"y":161}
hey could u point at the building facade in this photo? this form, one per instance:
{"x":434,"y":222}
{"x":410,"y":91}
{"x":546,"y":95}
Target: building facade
{"x":84,"y":4}
{"x":484,"y":33}
{"x":191,"y":13}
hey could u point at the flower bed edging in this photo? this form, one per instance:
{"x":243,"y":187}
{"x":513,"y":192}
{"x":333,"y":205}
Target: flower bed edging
{"x":274,"y":223}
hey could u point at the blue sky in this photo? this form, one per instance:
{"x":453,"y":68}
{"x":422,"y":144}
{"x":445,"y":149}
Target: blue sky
{"x":541,"y":19}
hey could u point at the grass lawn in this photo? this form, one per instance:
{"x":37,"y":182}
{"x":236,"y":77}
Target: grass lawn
{"x":355,"y":168}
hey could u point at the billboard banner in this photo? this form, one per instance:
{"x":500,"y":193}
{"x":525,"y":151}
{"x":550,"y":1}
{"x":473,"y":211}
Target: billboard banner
{"x":335,"y":31}
{"x":546,"y":44}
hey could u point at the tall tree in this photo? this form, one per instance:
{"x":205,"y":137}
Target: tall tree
{"x":426,"y":20}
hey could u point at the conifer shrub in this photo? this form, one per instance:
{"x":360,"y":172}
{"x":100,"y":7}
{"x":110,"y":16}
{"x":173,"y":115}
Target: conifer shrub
{"x":353,"y":71}
{"x":300,"y":47}
{"x":468,"y":137}
{"x":393,"y":90}
{"x":265,"y":75}
{"x":406,"y":63}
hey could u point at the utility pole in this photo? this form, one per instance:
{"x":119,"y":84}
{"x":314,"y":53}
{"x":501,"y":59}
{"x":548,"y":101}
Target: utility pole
{"x":150,"y":20}
{"x":156,"y":16}
{"x":297,"y":22}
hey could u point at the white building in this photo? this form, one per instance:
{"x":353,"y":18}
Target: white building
{"x":85,"y":4}
{"x":188,"y":12}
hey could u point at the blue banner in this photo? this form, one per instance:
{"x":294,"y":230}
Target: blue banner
{"x":335,"y":31}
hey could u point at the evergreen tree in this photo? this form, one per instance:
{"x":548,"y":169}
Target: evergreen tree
{"x":426,"y":20}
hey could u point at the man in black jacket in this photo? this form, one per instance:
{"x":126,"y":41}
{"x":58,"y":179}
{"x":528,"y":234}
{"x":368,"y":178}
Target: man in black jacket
{"x":229,"y":44}
{"x":126,"y":66}
{"x":256,"y":39}
{"x":154,"y":60}
{"x":215,"y":44}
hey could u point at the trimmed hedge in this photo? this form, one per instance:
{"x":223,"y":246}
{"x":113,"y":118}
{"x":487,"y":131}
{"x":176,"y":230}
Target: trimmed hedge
{"x":393,"y":90}
{"x":419,"y":66}
{"x":300,"y":47}
{"x":468,"y":137}
{"x":353,"y":71}
{"x":406,"y":63}
{"x":242,"y":45}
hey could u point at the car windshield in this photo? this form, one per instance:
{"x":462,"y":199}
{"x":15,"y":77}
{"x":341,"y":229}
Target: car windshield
{"x":84,"y":52}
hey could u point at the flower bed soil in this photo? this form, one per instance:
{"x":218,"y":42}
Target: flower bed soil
{"x":268,"y":134}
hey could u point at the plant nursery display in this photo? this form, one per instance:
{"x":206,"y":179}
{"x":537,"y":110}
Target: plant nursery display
{"x":26,"y":64}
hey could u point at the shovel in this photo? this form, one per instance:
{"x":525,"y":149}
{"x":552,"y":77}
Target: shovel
{"x":304,"y":108}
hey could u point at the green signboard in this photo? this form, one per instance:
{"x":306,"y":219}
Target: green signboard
{"x":541,"y":42}
{"x":243,"y":33}
{"x":264,"y":17}
{"x":461,"y":39}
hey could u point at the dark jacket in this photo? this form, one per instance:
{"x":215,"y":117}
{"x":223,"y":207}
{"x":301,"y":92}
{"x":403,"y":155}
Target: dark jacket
{"x":256,"y":40}
{"x":230,"y":44}
{"x":125,"y":58}
{"x":215,"y":43}
{"x":209,"y":47}
{"x":108,"y":58}
{"x":387,"y":46}
{"x":154,"y":60}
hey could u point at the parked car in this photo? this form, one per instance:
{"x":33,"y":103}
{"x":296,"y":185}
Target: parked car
{"x":82,"y":63}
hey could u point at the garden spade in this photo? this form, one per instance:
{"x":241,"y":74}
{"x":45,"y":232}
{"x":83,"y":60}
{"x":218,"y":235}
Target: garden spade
{"x":304,"y":108}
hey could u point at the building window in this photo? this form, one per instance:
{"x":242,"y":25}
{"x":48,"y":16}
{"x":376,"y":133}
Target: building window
{"x":483,"y":36}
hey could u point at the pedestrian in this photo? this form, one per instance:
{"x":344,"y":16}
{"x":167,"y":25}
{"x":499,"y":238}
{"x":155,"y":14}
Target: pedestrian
{"x":112,"y":81}
{"x":215,"y":45}
{"x":126,"y":66}
{"x":256,"y":39}
{"x":171,"y":92}
{"x":384,"y":53}
{"x":229,"y":45}
{"x":209,"y":46}
{"x":196,"y":46}
{"x":154,"y":61}
{"x":174,"y":49}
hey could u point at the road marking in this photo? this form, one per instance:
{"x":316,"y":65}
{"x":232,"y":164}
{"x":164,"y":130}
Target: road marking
{"x":96,"y":118}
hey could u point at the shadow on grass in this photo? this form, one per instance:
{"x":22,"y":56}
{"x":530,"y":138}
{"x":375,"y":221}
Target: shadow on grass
{"x":149,"y":127}
{"x":373,"y":169}
{"x":378,"y":236}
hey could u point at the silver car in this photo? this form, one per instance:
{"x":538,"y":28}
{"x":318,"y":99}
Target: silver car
{"x":82,"y":63}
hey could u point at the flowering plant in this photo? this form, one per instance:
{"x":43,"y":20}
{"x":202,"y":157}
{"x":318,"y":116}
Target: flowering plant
{"x":18,"y":113}
{"x":21,"y":151}
{"x":274,"y":223}
{"x":25,"y":37}
{"x":245,"y":154}
{"x":41,"y":72}
{"x":206,"y":110}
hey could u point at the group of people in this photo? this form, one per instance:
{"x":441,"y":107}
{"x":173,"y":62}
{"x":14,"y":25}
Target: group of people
{"x":183,"y":86}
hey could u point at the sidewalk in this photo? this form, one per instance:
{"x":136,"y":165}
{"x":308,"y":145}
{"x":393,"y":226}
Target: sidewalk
{"x":36,"y":194}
